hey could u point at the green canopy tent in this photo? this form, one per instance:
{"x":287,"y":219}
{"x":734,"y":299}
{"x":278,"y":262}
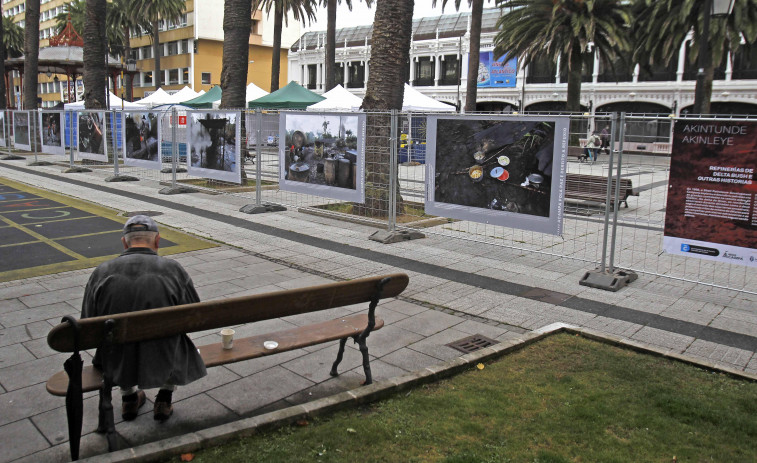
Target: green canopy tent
{"x":206,"y":100}
{"x":293,"y":96}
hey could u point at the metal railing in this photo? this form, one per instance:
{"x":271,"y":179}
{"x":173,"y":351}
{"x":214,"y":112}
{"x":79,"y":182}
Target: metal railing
{"x":612,"y":232}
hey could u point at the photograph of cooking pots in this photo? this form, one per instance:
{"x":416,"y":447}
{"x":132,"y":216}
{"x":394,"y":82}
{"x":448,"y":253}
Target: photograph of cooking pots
{"x":21,"y":129}
{"x":92,"y":138}
{"x":495,"y":169}
{"x":322,"y":154}
{"x":214,"y":145}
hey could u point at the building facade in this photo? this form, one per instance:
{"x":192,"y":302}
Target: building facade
{"x":439,"y":65}
{"x":191,"y":50}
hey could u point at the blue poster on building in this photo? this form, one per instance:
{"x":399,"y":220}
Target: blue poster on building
{"x":492,"y":73}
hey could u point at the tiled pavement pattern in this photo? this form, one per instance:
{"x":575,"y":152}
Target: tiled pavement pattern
{"x":455,"y":290}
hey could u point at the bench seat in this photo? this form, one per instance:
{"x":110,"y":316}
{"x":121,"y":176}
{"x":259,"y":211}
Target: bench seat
{"x":244,"y":348}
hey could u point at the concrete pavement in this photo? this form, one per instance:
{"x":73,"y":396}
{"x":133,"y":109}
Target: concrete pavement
{"x":455,"y":290}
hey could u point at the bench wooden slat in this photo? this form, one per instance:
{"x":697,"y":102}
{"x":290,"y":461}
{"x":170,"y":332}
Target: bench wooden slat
{"x":244,"y":348}
{"x":158,"y":323}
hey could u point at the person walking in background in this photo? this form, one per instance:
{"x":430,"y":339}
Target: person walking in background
{"x":592,"y":146}
{"x":605,"y":137}
{"x":140,"y":279}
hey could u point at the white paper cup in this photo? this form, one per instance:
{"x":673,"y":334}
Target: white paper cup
{"x":227,"y":337}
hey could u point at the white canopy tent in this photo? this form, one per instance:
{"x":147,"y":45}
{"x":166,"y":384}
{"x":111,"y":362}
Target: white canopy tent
{"x":157,"y":98}
{"x":115,"y":103}
{"x":418,"y":102}
{"x":185,"y":94}
{"x":337,"y":99}
{"x":254,"y":92}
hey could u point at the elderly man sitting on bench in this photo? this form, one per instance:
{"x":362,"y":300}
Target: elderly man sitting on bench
{"x":139,"y":279}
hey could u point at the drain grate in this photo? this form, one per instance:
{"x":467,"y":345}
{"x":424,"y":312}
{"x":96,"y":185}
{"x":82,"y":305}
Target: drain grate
{"x":472,"y":343}
{"x":147,"y":213}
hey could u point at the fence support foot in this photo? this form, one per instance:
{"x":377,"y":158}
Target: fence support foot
{"x":396,"y":236}
{"x":168,"y":170}
{"x":609,"y":281}
{"x":121,"y":178}
{"x":74,"y":170}
{"x":265,"y":207}
{"x":176,"y":190}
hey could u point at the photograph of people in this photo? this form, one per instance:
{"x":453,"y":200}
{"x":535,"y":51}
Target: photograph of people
{"x":91,"y":138}
{"x":51,"y":129}
{"x":142,"y":137}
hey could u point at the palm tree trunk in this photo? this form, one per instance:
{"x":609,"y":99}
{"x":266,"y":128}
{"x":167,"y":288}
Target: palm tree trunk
{"x":157,"y":77}
{"x":330,"y":45}
{"x":94,"y":55}
{"x":3,"y":89}
{"x":237,"y":23}
{"x":128,"y":78}
{"x":390,"y":53}
{"x":278,"y":19}
{"x":471,"y":90}
{"x":574,"y":80}
{"x":703,"y":89}
{"x":31,"y":54}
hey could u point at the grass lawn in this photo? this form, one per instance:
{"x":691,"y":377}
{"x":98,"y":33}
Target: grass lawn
{"x":562,"y":399}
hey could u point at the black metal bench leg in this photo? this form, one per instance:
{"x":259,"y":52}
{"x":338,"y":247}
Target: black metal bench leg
{"x":366,"y":359}
{"x":339,"y":357}
{"x":106,"y":423}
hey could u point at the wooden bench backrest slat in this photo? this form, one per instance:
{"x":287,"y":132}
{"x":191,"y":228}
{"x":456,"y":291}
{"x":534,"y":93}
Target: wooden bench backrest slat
{"x":159,"y":323}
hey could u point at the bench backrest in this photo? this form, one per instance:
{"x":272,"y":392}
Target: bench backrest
{"x":596,"y":183}
{"x":145,"y":325}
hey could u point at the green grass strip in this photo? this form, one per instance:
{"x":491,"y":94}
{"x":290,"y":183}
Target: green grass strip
{"x":562,"y":399}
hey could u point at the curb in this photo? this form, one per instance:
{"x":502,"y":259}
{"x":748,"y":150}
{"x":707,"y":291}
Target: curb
{"x":167,"y":448}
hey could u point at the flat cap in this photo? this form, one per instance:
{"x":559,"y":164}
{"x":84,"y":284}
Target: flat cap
{"x":140,"y":223}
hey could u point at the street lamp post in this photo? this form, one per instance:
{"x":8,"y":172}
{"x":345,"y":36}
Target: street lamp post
{"x":715,"y":8}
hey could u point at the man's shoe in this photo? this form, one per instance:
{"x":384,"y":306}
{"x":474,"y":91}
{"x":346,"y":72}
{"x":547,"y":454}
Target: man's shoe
{"x":130,"y":408}
{"x":162,"y":411}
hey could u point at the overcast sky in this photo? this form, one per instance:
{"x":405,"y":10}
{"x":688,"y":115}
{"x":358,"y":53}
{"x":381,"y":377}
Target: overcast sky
{"x":361,"y":14}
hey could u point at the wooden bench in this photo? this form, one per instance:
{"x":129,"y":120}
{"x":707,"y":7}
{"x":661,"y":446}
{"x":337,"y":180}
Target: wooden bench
{"x":593,"y":188}
{"x":73,"y":335}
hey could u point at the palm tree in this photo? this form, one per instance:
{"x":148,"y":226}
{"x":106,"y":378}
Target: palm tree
{"x":3,"y":105}
{"x":301,"y":10}
{"x":154,"y":11}
{"x":477,"y":11}
{"x":237,"y":22}
{"x":31,"y":54}
{"x":94,"y":55}
{"x":13,"y":38}
{"x":566,"y":30}
{"x":120,"y":16}
{"x":331,"y":39}
{"x":662,"y":26}
{"x":390,"y":54}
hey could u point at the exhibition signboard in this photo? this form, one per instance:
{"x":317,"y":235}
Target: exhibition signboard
{"x":323,"y":154}
{"x":214,"y":145}
{"x":3,"y":128}
{"x":141,"y":132}
{"x":496,"y":73}
{"x":91,"y":129}
{"x":711,"y":209}
{"x":21,"y":136}
{"x":499,"y":170}
{"x":52,"y":132}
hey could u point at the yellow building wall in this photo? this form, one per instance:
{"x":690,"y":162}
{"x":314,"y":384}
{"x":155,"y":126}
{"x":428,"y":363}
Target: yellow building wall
{"x":209,"y":58}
